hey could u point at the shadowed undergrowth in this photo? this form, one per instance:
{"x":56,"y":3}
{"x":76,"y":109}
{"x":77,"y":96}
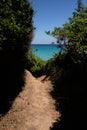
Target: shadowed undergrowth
{"x":70,"y":93}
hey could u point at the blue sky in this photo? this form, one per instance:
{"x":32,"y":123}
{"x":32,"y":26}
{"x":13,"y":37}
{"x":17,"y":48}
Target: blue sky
{"x":50,"y":14}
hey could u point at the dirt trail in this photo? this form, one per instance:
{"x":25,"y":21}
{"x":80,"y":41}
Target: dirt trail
{"x":33,"y":109}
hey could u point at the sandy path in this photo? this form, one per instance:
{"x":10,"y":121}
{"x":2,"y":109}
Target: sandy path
{"x":33,"y":109}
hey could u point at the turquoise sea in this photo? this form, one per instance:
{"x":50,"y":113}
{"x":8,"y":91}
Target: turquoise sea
{"x":45,"y":51}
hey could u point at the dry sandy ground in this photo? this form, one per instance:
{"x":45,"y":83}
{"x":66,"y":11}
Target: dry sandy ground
{"x":33,"y":109}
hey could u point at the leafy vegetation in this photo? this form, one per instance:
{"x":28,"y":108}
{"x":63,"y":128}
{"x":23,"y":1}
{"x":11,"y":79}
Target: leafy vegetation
{"x":35,"y":65}
{"x":73,"y":36}
{"x":68,"y":69}
{"x":16,"y":30}
{"x":73,"y":32}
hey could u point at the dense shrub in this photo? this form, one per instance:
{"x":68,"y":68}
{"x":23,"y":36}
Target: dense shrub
{"x":16,"y":28}
{"x":68,"y":74}
{"x":35,"y":64}
{"x":69,"y":70}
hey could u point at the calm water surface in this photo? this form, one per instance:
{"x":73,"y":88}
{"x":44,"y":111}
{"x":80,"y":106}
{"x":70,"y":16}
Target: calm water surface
{"x":45,"y":51}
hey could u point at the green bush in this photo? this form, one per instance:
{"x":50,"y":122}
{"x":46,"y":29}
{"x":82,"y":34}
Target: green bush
{"x":35,"y":65}
{"x":68,"y":72}
{"x":16,"y":28}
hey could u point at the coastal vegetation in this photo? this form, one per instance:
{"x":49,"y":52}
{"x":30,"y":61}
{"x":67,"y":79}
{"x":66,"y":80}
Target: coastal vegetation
{"x":16,"y":32}
{"x":68,"y":70}
{"x":35,"y":64}
{"x":73,"y":34}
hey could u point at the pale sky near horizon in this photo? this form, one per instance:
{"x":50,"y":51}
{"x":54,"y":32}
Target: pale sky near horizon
{"x":50,"y":14}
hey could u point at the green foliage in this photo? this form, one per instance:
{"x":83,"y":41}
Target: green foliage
{"x":16,"y":27}
{"x":78,"y":29}
{"x":15,"y":20}
{"x":75,"y":31}
{"x":35,"y":65}
{"x":68,"y":69}
{"x":80,"y":6}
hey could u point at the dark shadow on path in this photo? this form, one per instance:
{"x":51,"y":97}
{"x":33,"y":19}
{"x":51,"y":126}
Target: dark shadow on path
{"x":12,"y":65}
{"x":11,"y":83}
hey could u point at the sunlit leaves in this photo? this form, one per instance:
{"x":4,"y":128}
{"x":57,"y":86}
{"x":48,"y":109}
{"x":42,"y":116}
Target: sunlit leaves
{"x":75,"y":31}
{"x":15,"y":19}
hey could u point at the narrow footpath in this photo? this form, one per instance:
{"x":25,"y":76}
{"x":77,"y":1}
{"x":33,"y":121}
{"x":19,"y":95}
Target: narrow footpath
{"x":33,"y":108}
